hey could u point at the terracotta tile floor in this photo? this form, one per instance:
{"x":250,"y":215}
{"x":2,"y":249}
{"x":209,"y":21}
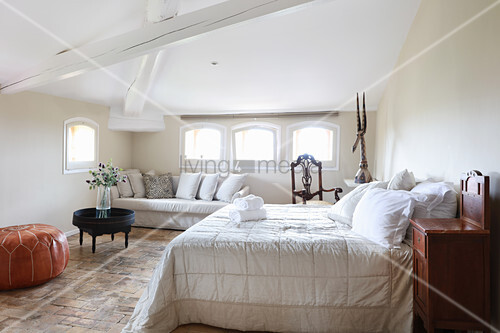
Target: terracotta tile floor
{"x":96,"y":293}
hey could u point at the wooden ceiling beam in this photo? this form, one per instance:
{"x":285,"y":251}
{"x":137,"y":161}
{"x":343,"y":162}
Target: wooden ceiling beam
{"x":146,"y":40}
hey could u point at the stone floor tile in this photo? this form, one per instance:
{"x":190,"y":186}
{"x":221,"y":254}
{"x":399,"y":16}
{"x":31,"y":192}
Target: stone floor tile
{"x":117,"y":328}
{"x":96,"y":293}
{"x":68,"y":302}
{"x":57,"y":329}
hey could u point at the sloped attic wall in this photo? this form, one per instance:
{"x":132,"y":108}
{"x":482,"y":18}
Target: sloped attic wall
{"x":440,"y":115}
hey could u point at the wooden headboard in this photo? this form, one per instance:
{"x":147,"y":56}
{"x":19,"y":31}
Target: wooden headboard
{"x":475,"y":199}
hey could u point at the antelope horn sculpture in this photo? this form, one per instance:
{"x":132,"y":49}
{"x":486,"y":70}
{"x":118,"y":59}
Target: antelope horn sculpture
{"x":363,"y":175}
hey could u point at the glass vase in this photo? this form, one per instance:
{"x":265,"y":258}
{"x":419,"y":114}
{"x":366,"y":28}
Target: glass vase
{"x":103,"y":203}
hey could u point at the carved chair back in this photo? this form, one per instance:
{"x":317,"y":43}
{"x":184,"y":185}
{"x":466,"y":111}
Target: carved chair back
{"x":306,"y":163}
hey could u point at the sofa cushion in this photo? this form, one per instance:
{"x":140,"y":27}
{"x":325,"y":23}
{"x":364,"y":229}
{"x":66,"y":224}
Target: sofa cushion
{"x":158,"y":187}
{"x":188,"y":186}
{"x":230,"y":186}
{"x":169,"y":205}
{"x":125,"y":189}
{"x":208,"y":185}
{"x":175,"y":183}
{"x":137,"y":182}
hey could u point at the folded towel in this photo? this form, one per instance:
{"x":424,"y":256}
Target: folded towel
{"x":250,"y":202}
{"x":247,"y":215}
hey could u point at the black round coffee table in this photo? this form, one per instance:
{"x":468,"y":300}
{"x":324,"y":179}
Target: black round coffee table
{"x":119,"y":220}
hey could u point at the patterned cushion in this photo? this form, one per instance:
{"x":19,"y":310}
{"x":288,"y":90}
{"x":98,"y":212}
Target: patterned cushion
{"x":158,"y":187}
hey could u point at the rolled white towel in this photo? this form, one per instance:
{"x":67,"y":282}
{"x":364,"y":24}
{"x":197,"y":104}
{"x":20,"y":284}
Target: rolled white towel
{"x":247,"y":215}
{"x":250,"y":202}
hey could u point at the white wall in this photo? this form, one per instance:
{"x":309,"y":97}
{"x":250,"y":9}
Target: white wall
{"x":160,"y":151}
{"x":440,"y":115}
{"x":33,"y":188}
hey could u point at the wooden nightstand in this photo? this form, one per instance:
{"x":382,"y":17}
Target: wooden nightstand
{"x":451,"y":263}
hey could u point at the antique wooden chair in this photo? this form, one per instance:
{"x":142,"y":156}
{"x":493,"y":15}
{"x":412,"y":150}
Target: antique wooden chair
{"x":306,"y":162}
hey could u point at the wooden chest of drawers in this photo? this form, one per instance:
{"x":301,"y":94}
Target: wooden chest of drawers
{"x":451,"y":263}
{"x":451,"y":274}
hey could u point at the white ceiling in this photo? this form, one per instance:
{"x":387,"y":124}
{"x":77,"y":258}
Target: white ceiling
{"x":313,"y":59}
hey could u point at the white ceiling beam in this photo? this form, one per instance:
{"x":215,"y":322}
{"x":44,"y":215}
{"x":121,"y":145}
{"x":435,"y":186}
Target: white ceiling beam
{"x":135,"y":98}
{"x":146,"y":40}
{"x":160,"y":10}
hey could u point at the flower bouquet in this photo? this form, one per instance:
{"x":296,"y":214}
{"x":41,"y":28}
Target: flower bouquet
{"x":103,"y":178}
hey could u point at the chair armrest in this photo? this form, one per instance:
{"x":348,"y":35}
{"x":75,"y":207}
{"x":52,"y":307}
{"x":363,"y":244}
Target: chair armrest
{"x":336,"y":191}
{"x":241,"y":193}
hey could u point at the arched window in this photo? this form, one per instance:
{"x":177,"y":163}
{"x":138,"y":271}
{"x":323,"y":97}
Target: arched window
{"x":201,"y":142}
{"x":317,"y":138}
{"x":81,"y":141}
{"x":253,"y":143}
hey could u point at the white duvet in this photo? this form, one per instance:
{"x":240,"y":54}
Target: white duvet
{"x":296,"y":271}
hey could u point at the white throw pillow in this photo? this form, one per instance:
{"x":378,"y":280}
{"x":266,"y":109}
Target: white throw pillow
{"x":442,"y":202}
{"x":137,"y":182}
{"x":343,"y":210}
{"x":403,"y":180}
{"x":229,"y":187}
{"x":125,"y":189}
{"x":383,"y":216}
{"x":208,"y":186}
{"x":188,"y":185}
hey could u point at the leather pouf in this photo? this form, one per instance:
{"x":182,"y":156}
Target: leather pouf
{"x":31,"y":254}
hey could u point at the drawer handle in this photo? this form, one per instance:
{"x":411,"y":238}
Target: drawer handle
{"x":418,"y":239}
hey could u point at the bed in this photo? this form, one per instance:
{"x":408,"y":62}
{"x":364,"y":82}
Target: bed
{"x":296,"y":271}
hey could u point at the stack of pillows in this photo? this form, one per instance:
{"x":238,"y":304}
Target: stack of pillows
{"x":191,"y":186}
{"x":380,"y":211}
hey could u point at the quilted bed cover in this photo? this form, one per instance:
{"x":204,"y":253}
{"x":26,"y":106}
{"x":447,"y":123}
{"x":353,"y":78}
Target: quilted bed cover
{"x":296,"y":271}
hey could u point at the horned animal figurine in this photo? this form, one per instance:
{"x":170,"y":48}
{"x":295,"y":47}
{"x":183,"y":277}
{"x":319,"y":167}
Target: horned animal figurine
{"x":363,"y":175}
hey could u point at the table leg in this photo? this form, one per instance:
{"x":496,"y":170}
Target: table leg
{"x":93,"y":244}
{"x":112,"y":237}
{"x":126,"y":240}
{"x":81,"y":237}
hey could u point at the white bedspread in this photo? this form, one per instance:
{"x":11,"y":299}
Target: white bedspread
{"x":296,"y":271}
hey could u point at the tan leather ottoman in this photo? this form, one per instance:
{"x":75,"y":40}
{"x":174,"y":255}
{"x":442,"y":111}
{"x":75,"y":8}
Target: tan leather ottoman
{"x":31,"y":254}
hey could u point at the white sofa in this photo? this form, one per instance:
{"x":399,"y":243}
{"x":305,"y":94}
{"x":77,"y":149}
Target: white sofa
{"x":172,"y":213}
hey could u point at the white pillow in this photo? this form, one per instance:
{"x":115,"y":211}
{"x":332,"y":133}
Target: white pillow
{"x":383,"y":216}
{"x":125,"y":189}
{"x":208,"y":186}
{"x":343,"y":210}
{"x":403,"y":180}
{"x":188,"y":185}
{"x":229,"y":187}
{"x":441,"y":203}
{"x":137,"y":182}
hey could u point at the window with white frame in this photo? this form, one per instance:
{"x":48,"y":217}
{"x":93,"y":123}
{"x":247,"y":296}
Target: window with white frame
{"x":81,"y":141}
{"x":317,"y":138}
{"x":201,"y":141}
{"x":255,"y":142}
